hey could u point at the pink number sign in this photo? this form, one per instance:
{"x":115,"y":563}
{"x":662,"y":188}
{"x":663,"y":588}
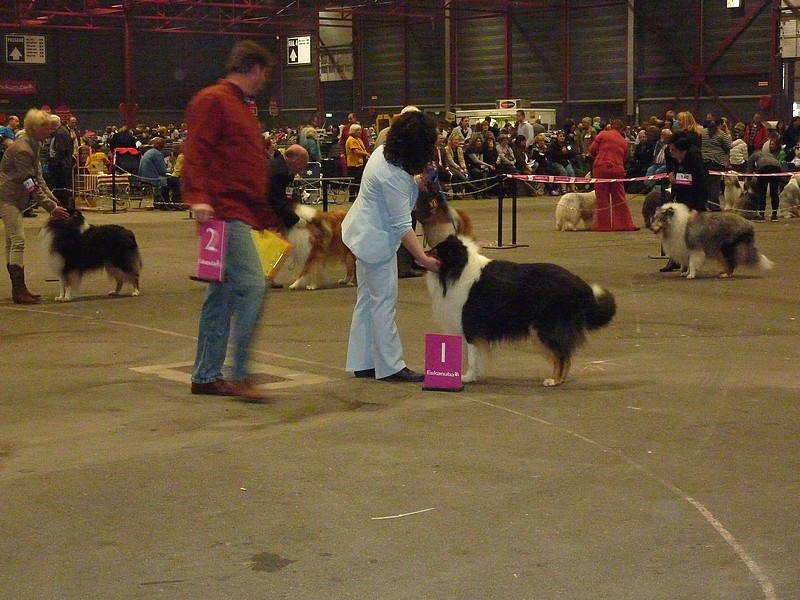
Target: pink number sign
{"x":443,"y":362}
{"x":211,"y":251}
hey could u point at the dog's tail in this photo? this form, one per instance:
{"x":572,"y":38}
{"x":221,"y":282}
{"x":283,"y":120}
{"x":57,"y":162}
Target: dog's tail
{"x":761,"y":262}
{"x":603,"y":310}
{"x":749,"y":255}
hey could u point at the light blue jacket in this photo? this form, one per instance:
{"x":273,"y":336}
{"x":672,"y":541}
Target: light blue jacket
{"x":381,"y":214}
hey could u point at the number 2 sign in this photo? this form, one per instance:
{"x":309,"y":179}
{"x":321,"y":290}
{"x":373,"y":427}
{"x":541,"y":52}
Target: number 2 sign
{"x":211,"y":250}
{"x":443,"y":362}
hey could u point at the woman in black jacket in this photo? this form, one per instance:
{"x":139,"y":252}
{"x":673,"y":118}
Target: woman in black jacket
{"x":689,"y":177}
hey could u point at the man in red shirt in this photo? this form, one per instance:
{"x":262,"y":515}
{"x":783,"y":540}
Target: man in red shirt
{"x":238,"y":197}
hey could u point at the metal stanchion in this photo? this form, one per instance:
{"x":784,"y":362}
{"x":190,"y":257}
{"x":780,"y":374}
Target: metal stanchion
{"x":500,"y":210}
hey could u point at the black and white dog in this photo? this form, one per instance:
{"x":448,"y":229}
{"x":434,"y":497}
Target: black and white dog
{"x":490,"y":301}
{"x":77,"y":248}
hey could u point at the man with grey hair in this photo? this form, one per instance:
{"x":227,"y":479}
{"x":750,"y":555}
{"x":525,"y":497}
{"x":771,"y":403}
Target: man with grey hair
{"x":384,"y":133}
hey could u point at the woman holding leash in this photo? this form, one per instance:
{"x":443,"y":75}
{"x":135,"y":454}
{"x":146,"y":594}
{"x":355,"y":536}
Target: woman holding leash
{"x":378,"y":222}
{"x":22,"y":185}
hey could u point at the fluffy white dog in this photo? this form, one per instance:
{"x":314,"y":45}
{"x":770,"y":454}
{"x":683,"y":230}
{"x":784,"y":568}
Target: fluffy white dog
{"x":574,"y":208}
{"x":790,"y":199}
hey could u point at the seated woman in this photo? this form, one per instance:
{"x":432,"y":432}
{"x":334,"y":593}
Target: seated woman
{"x":543,"y":163}
{"x":456,"y":163}
{"x":478,"y":169}
{"x":506,"y":163}
{"x":643,"y":156}
{"x":561,"y":154}
{"x":523,"y":164}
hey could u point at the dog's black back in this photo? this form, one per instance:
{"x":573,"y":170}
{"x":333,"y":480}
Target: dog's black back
{"x":509,"y":299}
{"x":85,"y":249}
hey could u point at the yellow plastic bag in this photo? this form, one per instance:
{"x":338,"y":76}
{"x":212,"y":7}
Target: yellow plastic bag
{"x":272,"y":249}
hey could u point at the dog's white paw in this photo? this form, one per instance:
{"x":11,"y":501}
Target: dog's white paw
{"x":115,"y":293}
{"x":346,"y":282}
{"x":724,"y":275}
{"x":62,"y":298}
{"x":690,"y":275}
{"x":468,"y":377}
{"x":311,"y":286}
{"x":296,"y":285}
{"x":550,"y":382}
{"x":135,"y":293}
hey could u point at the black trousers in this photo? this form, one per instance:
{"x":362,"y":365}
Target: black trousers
{"x":774,"y":184}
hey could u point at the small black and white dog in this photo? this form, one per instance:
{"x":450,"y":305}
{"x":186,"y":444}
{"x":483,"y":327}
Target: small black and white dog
{"x":77,"y":248}
{"x":490,"y":301}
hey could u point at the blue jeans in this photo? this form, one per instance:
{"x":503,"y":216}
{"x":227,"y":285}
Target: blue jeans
{"x":231,"y":309}
{"x":656,"y":169}
{"x":565,"y":170}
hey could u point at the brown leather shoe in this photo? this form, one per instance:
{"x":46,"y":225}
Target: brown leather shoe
{"x":246,"y":391}
{"x":213,"y":388}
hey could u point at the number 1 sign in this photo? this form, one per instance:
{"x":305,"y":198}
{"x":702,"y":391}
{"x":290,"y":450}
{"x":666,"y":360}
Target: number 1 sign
{"x":211,"y":251}
{"x":443,"y":362}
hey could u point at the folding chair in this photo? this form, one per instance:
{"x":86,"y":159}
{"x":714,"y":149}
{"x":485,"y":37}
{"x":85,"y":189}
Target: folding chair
{"x":309,"y":184}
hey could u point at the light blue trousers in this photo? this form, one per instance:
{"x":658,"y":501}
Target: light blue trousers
{"x":374,"y":340}
{"x":231,"y":309}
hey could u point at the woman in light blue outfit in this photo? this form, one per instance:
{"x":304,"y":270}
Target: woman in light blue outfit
{"x":375,"y":226}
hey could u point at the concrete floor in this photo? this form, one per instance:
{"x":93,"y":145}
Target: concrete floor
{"x":666,"y":467}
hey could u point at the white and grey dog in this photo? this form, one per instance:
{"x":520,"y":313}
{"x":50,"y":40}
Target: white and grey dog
{"x":790,"y":199}
{"x":574,"y":208}
{"x":725,"y":236}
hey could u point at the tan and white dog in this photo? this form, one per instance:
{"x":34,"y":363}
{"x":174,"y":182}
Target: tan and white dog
{"x":574,"y":208}
{"x":439,"y":219}
{"x":315,"y":247}
{"x":732,"y":192}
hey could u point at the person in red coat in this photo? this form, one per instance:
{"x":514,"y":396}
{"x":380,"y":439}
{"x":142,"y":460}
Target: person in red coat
{"x":610,"y":150}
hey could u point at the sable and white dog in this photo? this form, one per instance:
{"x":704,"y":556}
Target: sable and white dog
{"x":790,"y":199}
{"x":489,"y":301}
{"x":725,"y":236}
{"x":732,"y":192}
{"x":76,"y":248}
{"x":574,"y":208}
{"x":315,"y":247}
{"x":439,"y":218}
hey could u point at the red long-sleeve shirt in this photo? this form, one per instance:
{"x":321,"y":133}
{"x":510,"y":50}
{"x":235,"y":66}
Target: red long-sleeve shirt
{"x":225,"y":165}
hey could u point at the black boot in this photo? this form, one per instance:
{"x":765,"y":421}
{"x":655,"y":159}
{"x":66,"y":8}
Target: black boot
{"x":19,"y":292}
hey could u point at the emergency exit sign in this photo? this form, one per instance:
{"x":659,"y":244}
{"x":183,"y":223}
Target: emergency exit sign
{"x":26,"y":49}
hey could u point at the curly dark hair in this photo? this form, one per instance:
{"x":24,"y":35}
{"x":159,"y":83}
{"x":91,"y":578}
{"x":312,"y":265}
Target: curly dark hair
{"x":411,"y":142}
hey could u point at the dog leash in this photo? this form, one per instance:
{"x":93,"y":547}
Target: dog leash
{"x":443,"y":198}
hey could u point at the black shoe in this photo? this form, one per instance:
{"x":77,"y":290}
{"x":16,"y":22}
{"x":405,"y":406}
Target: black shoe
{"x":405,"y":375}
{"x":365,"y":373}
{"x":29,"y":213}
{"x":669,"y":267}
